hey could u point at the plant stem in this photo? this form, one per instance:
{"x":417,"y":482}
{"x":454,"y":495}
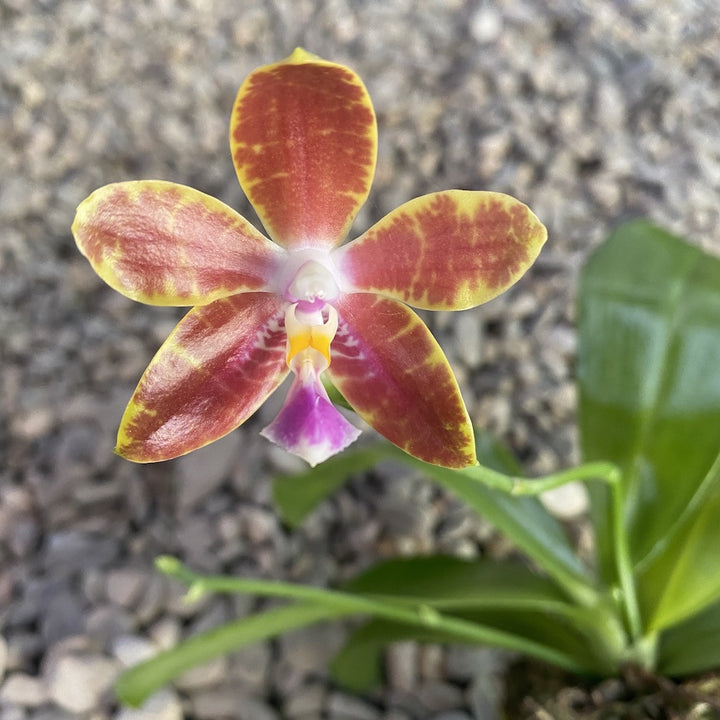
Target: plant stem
{"x":605,"y":472}
{"x":345,"y":603}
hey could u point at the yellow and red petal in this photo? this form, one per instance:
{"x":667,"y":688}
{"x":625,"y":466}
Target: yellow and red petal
{"x":214,"y":370}
{"x":304,"y":142}
{"x":166,"y":244}
{"x":445,"y":251}
{"x":396,"y":377}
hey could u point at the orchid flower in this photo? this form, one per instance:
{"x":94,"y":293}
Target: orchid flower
{"x":303,"y":139}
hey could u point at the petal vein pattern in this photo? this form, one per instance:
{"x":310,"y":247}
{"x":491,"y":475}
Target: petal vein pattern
{"x":166,"y":244}
{"x":215,"y":369}
{"x":449,"y":250}
{"x":394,"y":374}
{"x":304,"y":143}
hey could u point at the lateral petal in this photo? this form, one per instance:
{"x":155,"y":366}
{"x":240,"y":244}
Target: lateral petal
{"x":396,"y":377}
{"x":304,"y":142}
{"x":166,"y":244}
{"x":445,"y":251}
{"x":215,"y":369}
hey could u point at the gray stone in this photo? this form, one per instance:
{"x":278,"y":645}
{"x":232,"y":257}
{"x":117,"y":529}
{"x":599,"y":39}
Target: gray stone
{"x":74,"y":550}
{"x":204,"y":676}
{"x":132,"y":649}
{"x":13,"y":712}
{"x":200,"y":473}
{"x":107,"y":622}
{"x":307,"y":700}
{"x":345,"y":707}
{"x":24,"y":690}
{"x":466,"y":662}
{"x":163,"y":705}
{"x":401,"y":662}
{"x":63,"y":617}
{"x":310,"y":649}
{"x":125,"y":586}
{"x":437,"y":696}
{"x":254,"y":709}
{"x":251,"y":665}
{"x":78,"y":682}
{"x":3,"y":656}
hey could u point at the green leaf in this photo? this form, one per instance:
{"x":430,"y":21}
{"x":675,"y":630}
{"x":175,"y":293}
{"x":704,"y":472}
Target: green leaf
{"x":686,"y":578}
{"x":505,"y":595}
{"x":692,"y":646}
{"x":138,"y":683}
{"x":649,"y":327}
{"x":296,"y":496}
{"x":443,"y":581}
{"x":358,"y":664}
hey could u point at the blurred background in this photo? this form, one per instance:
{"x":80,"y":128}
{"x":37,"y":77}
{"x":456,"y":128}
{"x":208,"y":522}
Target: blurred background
{"x":590,"y":112}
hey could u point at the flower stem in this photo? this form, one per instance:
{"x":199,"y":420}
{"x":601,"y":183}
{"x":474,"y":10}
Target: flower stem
{"x":341,"y":603}
{"x":606,"y":472}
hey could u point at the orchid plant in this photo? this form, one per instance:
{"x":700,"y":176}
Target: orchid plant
{"x":303,"y":141}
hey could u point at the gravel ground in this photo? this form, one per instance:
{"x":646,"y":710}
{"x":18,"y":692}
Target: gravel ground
{"x":591,"y":112}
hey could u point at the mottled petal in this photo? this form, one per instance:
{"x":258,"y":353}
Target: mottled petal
{"x":444,"y":251}
{"x":309,"y":425}
{"x":216,"y":368}
{"x":394,"y":374}
{"x":167,"y":244}
{"x":304,"y":142}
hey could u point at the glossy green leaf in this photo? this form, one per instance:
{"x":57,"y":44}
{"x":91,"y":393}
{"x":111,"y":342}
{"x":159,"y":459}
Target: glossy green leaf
{"x":501,"y":595}
{"x":138,"y":683}
{"x":649,"y":326}
{"x":454,"y":584}
{"x":686,"y":577}
{"x":691,"y":646}
{"x":443,"y":581}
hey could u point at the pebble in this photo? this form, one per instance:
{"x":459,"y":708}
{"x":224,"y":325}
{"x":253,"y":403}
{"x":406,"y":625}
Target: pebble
{"x":77,"y":683}
{"x":126,"y":585}
{"x":24,"y":690}
{"x":14,"y":712}
{"x":307,"y":700}
{"x":216,"y":703}
{"x":309,"y":649}
{"x":254,"y":709}
{"x":163,"y":705}
{"x":401,"y":661}
{"x":74,"y":550}
{"x":107,"y":622}
{"x":3,"y":656}
{"x":437,"y":696}
{"x":203,"y":676}
{"x":567,"y":501}
{"x":251,"y":665}
{"x":346,"y":707}
{"x":133,"y":649}
{"x":63,"y":616}
{"x":200,"y":473}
